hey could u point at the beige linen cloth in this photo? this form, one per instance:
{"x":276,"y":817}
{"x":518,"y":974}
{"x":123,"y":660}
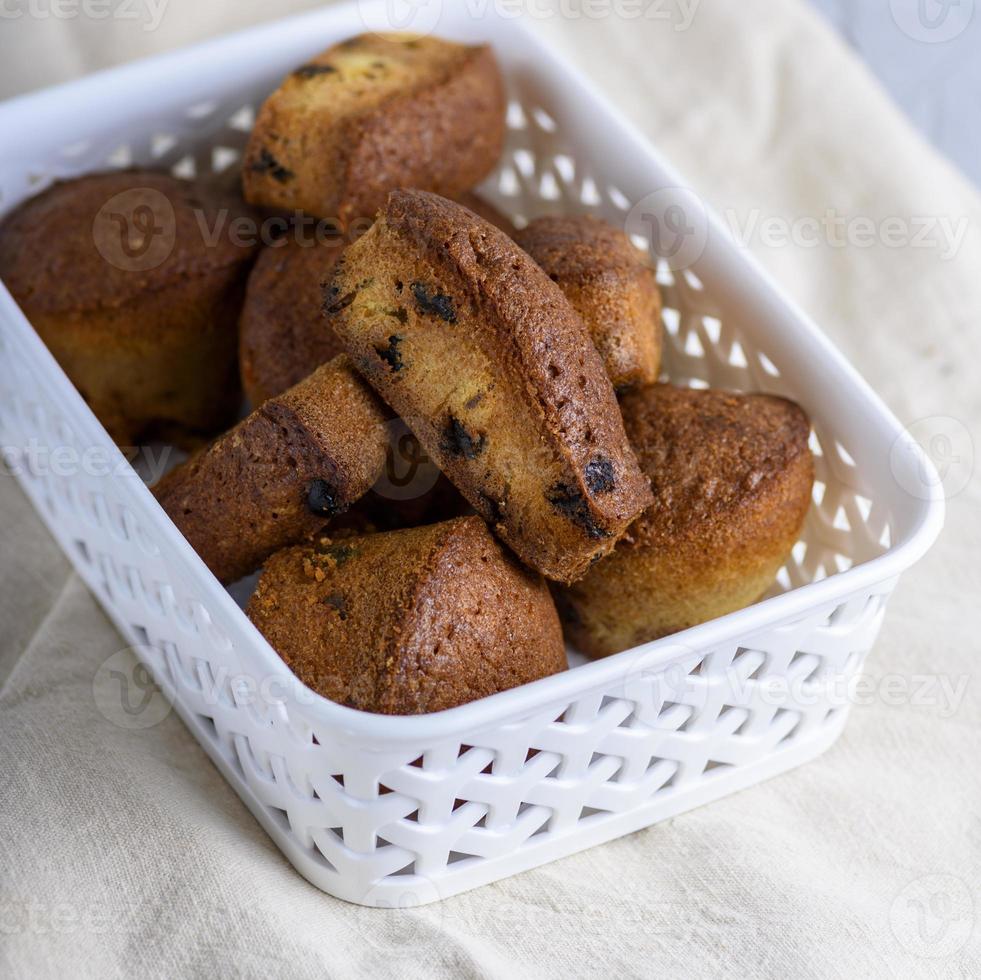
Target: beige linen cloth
{"x":125,"y":853}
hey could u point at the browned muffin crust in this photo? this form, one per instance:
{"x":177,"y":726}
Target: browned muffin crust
{"x":410,"y":621}
{"x":49,"y":253}
{"x":484,"y":209}
{"x":135,"y":302}
{"x":374,"y":113}
{"x":610,"y":285}
{"x":281,"y":474}
{"x":732,"y":478}
{"x":482,"y":355}
{"x":283,"y":337}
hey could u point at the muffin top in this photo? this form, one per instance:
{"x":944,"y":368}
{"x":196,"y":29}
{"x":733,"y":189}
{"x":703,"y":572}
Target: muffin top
{"x":372,"y":113}
{"x":409,"y":621}
{"x":365,"y":71}
{"x":580,"y":248}
{"x":484,"y":209}
{"x":100,"y":241}
{"x":709,"y":453}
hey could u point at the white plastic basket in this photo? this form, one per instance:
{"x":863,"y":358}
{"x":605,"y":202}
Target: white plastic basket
{"x":388,"y":810}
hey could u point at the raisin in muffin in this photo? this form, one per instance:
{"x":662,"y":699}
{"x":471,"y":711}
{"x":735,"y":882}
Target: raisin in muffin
{"x":732,"y":477}
{"x":280,"y":474}
{"x":611,"y":287}
{"x":282,"y":333}
{"x":118,"y":276}
{"x":374,"y":113}
{"x":485,"y":360}
{"x":411,"y":621}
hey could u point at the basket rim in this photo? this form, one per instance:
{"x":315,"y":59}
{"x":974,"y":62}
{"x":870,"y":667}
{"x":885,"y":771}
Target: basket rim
{"x":383,"y":731}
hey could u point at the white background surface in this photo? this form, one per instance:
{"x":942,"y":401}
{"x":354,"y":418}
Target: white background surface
{"x":932,"y":68}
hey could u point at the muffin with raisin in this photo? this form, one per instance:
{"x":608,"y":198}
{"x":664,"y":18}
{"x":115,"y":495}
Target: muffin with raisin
{"x":282,"y":333}
{"x":410,"y":621}
{"x":374,"y":113}
{"x":484,"y":359}
{"x":298,"y":460}
{"x":732,"y":478}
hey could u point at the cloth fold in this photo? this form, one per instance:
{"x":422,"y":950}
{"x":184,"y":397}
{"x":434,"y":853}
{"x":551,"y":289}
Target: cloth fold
{"x":124,"y":852}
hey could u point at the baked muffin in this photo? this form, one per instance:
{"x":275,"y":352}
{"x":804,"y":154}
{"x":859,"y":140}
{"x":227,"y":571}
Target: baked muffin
{"x":610,"y":285}
{"x":483,"y":357}
{"x":374,"y":113}
{"x":409,"y":621}
{"x":280,"y":474}
{"x":484,"y":209}
{"x":732,"y":477}
{"x":131,"y":298}
{"x":282,"y":333}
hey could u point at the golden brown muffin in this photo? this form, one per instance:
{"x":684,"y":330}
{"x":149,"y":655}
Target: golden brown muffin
{"x":283,"y":337}
{"x":484,"y":209}
{"x":485,"y":360}
{"x":411,"y":621}
{"x":374,"y":113}
{"x":282,"y":333}
{"x":279,"y":475}
{"x":732,"y":477}
{"x":610,"y":285}
{"x":137,"y":305}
